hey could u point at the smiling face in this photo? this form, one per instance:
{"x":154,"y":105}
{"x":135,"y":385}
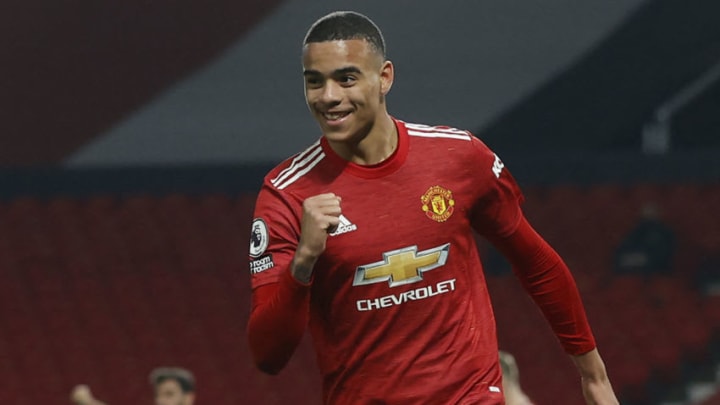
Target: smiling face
{"x":345,"y":86}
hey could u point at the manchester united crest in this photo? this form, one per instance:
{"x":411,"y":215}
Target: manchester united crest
{"x":438,"y":204}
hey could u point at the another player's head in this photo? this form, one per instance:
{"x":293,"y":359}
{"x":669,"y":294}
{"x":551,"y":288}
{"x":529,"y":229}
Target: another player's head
{"x":346,"y":75}
{"x":173,"y":386}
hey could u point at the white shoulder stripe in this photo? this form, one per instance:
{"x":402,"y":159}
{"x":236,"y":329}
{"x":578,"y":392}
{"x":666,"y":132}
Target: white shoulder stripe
{"x":464,"y":137}
{"x":282,"y":184}
{"x":297,"y":159}
{"x":427,"y":128}
{"x":297,"y":163}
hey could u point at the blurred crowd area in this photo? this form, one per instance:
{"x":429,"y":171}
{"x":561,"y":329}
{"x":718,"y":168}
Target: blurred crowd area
{"x":100,"y":289}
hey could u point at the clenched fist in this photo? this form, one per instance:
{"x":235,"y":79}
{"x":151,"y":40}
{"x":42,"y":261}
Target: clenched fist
{"x":321,"y":216}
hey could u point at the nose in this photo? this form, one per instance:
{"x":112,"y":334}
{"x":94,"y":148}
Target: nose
{"x":331,"y":93}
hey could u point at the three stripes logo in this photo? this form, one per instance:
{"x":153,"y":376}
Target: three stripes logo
{"x":301,"y":164}
{"x":344,"y":226}
{"x":305,"y":161}
{"x":426,"y":131}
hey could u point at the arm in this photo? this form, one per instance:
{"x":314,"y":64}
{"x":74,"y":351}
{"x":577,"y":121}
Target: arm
{"x":277,"y":322}
{"x":547,"y":279}
{"x":281,"y":310}
{"x":544,"y":275}
{"x":595,"y":382}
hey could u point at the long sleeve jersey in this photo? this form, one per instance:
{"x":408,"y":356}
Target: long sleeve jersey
{"x":398,"y":307}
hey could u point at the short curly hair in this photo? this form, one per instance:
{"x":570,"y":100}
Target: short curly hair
{"x":346,"y":25}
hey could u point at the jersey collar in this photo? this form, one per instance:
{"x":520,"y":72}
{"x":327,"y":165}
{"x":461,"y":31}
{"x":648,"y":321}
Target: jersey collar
{"x":384,"y":168}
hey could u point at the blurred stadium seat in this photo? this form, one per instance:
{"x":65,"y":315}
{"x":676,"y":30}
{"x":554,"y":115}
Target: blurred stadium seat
{"x":102,"y":289}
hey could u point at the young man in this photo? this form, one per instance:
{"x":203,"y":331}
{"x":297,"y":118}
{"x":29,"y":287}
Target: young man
{"x":366,"y":237}
{"x":171,"y":386}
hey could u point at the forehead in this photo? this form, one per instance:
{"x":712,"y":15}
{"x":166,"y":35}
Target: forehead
{"x":327,"y":56}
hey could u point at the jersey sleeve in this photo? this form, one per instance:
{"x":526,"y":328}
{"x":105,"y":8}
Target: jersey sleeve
{"x":280,"y":304}
{"x":273,"y":237}
{"x":544,"y":275}
{"x":496,"y":212}
{"x":547,"y":279}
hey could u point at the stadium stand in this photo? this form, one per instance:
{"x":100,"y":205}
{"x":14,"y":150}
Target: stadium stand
{"x":101,"y":289}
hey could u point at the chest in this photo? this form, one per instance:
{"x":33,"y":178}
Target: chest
{"x":388,"y":219}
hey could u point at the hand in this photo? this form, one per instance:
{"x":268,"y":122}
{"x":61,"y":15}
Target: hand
{"x":321,"y":215}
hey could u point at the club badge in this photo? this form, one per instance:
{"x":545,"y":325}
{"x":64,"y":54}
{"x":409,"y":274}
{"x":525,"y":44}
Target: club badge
{"x":438,"y":204}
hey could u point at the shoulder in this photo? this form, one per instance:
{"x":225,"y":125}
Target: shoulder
{"x":437,"y":132}
{"x":295,"y":167}
{"x":444,"y":139}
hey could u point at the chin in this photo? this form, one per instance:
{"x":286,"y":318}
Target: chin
{"x":350,"y":133}
{"x":335,"y":135}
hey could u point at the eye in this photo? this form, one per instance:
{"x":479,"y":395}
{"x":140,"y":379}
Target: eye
{"x":347,"y":80}
{"x":313,"y":81}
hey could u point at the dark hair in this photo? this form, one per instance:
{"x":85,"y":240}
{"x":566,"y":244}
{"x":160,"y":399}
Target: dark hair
{"x":346,"y":25}
{"x":184,"y":377}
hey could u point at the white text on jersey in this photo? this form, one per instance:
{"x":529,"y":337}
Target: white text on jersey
{"x":421,"y":293}
{"x":498,"y":165}
{"x":261,"y":264}
{"x":344,"y":226}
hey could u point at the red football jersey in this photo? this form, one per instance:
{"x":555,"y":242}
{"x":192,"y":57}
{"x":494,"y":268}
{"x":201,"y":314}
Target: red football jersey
{"x":399,"y":309}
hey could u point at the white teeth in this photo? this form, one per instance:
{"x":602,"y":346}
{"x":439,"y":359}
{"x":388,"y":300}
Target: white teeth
{"x":334,"y":116}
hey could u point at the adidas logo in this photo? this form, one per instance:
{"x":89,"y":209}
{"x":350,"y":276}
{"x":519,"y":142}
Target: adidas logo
{"x":344,"y":226}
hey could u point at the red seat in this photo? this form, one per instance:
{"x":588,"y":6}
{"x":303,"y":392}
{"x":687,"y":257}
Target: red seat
{"x":148,"y":281}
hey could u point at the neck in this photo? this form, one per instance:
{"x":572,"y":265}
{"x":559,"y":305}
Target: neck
{"x":374,"y":147}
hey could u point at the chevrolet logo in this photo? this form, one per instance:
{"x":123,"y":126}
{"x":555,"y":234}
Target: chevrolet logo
{"x":402,"y":266}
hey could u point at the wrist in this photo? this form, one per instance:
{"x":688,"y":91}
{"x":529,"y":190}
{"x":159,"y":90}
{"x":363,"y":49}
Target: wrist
{"x":303,"y":264}
{"x":590,"y":366}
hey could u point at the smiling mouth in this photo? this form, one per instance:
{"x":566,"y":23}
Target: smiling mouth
{"x":335,"y":116}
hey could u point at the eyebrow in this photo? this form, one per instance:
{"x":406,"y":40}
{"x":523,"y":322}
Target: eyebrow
{"x":336,"y":72}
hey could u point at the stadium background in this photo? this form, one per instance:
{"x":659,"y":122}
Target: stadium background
{"x":135,"y":136}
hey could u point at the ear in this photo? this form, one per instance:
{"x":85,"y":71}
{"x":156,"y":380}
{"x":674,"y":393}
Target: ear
{"x":387,"y":76}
